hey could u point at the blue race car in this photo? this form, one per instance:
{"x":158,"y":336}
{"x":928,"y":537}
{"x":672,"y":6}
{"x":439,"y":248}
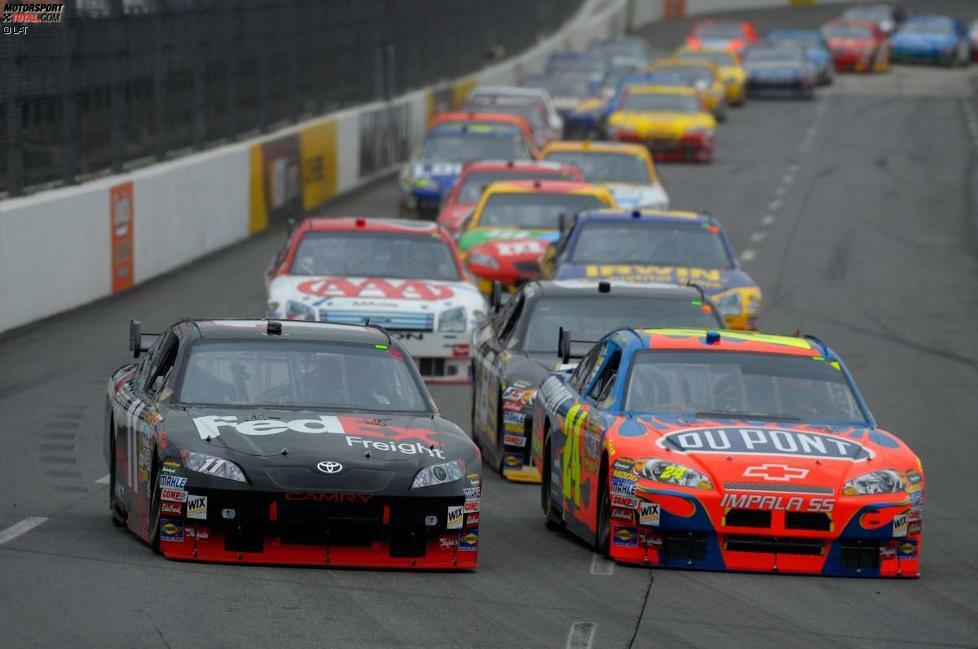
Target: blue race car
{"x":779,"y":70}
{"x":437,"y":163}
{"x":658,"y":246}
{"x":816,"y":49}
{"x":932,"y":39}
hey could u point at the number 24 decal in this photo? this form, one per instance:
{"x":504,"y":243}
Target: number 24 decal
{"x":571,"y":466}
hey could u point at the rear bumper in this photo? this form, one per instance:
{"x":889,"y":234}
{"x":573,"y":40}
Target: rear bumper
{"x":794,"y":87}
{"x":373,"y":533}
{"x":692,"y":148}
{"x":685,"y":537}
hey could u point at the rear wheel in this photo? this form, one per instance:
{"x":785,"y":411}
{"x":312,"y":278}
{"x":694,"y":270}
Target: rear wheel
{"x":602,"y":540}
{"x":500,"y":445}
{"x":554,"y":518}
{"x":154,"y":508}
{"x":118,"y":516}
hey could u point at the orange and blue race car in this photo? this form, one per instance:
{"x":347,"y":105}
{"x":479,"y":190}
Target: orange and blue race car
{"x":722,"y":450}
{"x":658,"y":246}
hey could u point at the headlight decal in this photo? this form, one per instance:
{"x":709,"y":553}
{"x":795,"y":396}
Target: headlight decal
{"x":437,"y":474}
{"x":453,"y":320}
{"x":214,"y":466}
{"x":884,"y":481}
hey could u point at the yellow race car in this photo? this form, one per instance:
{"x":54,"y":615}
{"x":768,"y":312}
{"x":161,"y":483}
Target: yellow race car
{"x":728,"y":65}
{"x":626,"y":169}
{"x":673,"y":122}
{"x":701,"y":75}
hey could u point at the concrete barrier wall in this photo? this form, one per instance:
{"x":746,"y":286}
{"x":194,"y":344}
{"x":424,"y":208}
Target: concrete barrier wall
{"x":63,"y":248}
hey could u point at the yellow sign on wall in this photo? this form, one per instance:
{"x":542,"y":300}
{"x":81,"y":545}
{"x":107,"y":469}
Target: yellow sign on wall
{"x":317,"y":153}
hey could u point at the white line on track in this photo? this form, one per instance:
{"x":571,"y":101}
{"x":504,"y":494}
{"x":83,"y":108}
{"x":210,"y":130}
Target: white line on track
{"x":103,"y":480}
{"x":780,"y":191}
{"x":748,"y":255}
{"x":768,"y":220}
{"x":758,"y":237}
{"x":581,"y":635}
{"x":774,"y":205}
{"x":22,"y":527}
{"x":788,"y":178}
{"x":601,"y":566}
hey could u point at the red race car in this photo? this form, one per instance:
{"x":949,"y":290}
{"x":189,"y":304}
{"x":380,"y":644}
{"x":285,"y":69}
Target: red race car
{"x":857,"y":46}
{"x":476,"y":176}
{"x":721,"y":35}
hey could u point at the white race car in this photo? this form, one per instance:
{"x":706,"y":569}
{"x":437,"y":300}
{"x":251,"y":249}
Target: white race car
{"x":404,"y":276}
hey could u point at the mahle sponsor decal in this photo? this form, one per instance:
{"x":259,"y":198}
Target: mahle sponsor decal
{"x":764,"y":441}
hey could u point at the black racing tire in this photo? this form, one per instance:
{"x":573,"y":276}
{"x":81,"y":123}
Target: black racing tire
{"x":554,"y":519}
{"x":500,"y":445}
{"x":602,"y":536}
{"x":154,"y":508}
{"x":117,"y":518}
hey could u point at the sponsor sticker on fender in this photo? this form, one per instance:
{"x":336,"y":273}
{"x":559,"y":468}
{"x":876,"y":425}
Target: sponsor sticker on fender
{"x":469,"y":541}
{"x":625,"y":502}
{"x":175,"y":509}
{"x":471,"y":506}
{"x":172,"y":482}
{"x":197,"y":507}
{"x":625,"y":537}
{"x":173,"y":495}
{"x":171,"y":530}
{"x":648,"y":514}
{"x":900,"y":524}
{"x":764,"y":441}
{"x":455,"y":518}
{"x":514,"y":440}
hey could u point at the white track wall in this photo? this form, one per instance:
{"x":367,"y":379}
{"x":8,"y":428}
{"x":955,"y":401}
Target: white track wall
{"x":57,"y":250}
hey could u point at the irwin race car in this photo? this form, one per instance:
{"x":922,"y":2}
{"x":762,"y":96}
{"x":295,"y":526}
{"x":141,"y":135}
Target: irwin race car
{"x":658,"y":246}
{"x":725,"y":450}
{"x":252,"y":441}
{"x":514,"y":350}
{"x":403,"y":275}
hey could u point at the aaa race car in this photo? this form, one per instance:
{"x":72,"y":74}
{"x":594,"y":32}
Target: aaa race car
{"x":626,"y":169}
{"x":431,"y":173}
{"x":724,"y":450}
{"x":672,"y":122}
{"x":514,"y":223}
{"x":514,"y":351}
{"x":476,"y":176}
{"x":405,"y":276}
{"x":251,"y":441}
{"x":658,"y":246}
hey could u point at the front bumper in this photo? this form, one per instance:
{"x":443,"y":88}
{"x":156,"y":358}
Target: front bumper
{"x":697,"y":533}
{"x":325,"y":529}
{"x":788,"y":88}
{"x":923,"y":55}
{"x":861,"y":62}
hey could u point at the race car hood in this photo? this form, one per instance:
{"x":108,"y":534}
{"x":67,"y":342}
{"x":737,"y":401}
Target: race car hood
{"x":659,"y":125}
{"x":348,"y":300}
{"x":269,"y":432}
{"x":712,"y":280}
{"x":443,"y":173}
{"x":626,"y":196}
{"x":923,"y":41}
{"x":479,"y":236}
{"x":730,"y":451}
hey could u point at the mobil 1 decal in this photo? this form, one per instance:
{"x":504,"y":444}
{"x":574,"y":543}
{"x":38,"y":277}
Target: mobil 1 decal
{"x":764,"y":441}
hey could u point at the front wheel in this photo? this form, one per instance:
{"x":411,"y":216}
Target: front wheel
{"x":118,"y":518}
{"x":554,"y":518}
{"x":154,"y":508}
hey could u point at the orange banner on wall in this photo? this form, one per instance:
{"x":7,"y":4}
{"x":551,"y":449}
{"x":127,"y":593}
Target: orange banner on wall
{"x":673,"y":9}
{"x":121,"y":223}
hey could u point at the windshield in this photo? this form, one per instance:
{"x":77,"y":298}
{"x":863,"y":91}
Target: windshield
{"x":374,"y":254}
{"x":575,"y":86}
{"x":534,"y":210}
{"x":734,"y":384}
{"x":590,"y":318}
{"x":467,"y":147}
{"x":772,"y":55}
{"x":533,"y":113}
{"x":721,"y":31}
{"x":847,"y":31}
{"x":691,"y":73}
{"x":657,"y":102}
{"x":316,"y":375}
{"x":931,"y":26}
{"x":651,"y":243}
{"x":606,"y":167}
{"x":575,"y":63}
{"x":718,"y":58}
{"x":476,"y":182}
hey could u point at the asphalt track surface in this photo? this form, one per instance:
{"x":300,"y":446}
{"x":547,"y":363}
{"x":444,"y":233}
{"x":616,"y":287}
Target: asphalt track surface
{"x":858,"y":215}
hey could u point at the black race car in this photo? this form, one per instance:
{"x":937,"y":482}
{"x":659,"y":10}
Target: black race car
{"x":257,"y":441}
{"x":514,"y":350}
{"x":779,"y":69}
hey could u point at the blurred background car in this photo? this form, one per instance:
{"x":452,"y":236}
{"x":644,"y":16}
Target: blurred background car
{"x":973,"y":35}
{"x":779,"y":69}
{"x":857,"y":46}
{"x":885,"y":16}
{"x":673,"y":122}
{"x":623,"y":52}
{"x":816,"y":49}
{"x":728,"y":66}
{"x":703,"y":76}
{"x":932,"y":39}
{"x":533,"y":104}
{"x":730,"y":35}
{"x":574,"y":97}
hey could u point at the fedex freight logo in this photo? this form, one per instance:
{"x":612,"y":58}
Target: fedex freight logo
{"x":764,"y":441}
{"x":16,"y":17}
{"x":210,"y":426}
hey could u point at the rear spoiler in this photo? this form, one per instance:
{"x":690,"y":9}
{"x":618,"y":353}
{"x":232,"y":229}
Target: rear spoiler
{"x":138,"y":341}
{"x":564,"y":343}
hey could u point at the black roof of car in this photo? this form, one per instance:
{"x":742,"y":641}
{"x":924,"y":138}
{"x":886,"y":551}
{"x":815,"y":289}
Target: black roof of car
{"x":289,"y":330}
{"x":580,"y":288}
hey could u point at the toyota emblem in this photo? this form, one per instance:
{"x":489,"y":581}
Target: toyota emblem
{"x":329,"y":466}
